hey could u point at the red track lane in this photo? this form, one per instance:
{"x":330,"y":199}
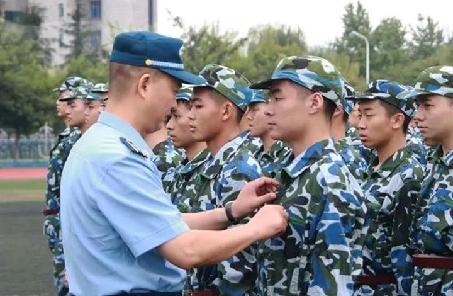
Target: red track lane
{"x":22,"y":173}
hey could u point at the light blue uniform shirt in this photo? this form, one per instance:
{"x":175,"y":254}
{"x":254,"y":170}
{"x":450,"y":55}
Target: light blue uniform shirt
{"x":114,"y":215}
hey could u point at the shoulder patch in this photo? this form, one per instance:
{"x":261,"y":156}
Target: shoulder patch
{"x":132,"y":147}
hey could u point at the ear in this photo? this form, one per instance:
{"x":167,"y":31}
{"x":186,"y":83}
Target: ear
{"x":397,"y":120}
{"x":227,"y":110}
{"x":315,"y":103}
{"x":144,"y":85}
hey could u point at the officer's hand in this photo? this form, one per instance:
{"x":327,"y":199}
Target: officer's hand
{"x":270,"y":221}
{"x":253,"y":195}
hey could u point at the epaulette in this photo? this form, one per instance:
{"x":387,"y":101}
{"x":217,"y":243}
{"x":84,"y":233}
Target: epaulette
{"x":132,"y":147}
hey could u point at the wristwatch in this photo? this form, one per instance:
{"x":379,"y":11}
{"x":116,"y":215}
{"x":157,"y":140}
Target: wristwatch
{"x":229,"y":212}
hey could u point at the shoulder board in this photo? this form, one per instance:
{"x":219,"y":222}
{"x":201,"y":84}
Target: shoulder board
{"x":132,"y":147}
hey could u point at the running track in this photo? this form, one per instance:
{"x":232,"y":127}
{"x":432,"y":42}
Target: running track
{"x":22,"y":173}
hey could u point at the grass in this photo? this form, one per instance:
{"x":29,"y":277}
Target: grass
{"x":22,"y":190}
{"x":25,"y":263}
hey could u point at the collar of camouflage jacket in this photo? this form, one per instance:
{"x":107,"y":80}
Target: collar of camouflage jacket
{"x":436,"y":156}
{"x":274,"y":151}
{"x":312,"y":154}
{"x":215,"y":163}
{"x":390,"y":164}
{"x":195,"y":162}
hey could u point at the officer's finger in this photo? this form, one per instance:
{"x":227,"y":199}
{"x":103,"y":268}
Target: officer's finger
{"x":267,"y":197}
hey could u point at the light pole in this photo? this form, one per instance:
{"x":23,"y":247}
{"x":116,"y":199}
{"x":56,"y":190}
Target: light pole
{"x":367,"y":44}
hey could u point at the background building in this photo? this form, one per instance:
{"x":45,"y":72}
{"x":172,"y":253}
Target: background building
{"x":100,"y":21}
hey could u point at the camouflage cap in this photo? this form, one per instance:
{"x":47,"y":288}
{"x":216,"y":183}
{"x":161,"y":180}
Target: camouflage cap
{"x":73,"y":82}
{"x":229,"y":83}
{"x":80,"y":92}
{"x":349,"y":92}
{"x":94,"y":96}
{"x":434,"y":80}
{"x":184,"y":94}
{"x":259,"y":96}
{"x":390,"y":92}
{"x":314,"y":73}
{"x":100,"y":88}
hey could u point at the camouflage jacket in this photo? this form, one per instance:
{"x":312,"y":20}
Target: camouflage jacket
{"x":351,"y":157}
{"x":176,"y":181}
{"x":57,"y":158}
{"x":220,"y":180}
{"x":391,"y":192}
{"x":321,"y":249}
{"x":434,"y":223}
{"x":352,"y":138}
{"x":167,"y":156}
{"x":252,"y":144}
{"x":415,"y":144}
{"x":273,"y":160}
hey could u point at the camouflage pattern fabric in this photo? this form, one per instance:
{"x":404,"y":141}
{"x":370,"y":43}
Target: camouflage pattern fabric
{"x":220,"y":181}
{"x":231,"y":84}
{"x":433,"y":227}
{"x":351,"y":157}
{"x":273,"y":160}
{"x":391,"y":193}
{"x":414,"y":141}
{"x":392,"y":93}
{"x":437,"y":80}
{"x":51,"y":228}
{"x":252,"y":144}
{"x":321,"y":250}
{"x":180,"y":180}
{"x":167,"y":156}
{"x":314,"y":73}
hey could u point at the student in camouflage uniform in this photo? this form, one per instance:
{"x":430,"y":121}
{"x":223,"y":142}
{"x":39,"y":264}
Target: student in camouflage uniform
{"x":338,"y":126}
{"x":217,"y":108}
{"x":434,"y":217}
{"x":176,"y":179}
{"x":321,"y":250}
{"x":58,"y":155}
{"x":391,"y":187}
{"x":273,"y":154}
{"x":252,"y":143}
{"x":76,"y":108}
{"x":95,"y":103}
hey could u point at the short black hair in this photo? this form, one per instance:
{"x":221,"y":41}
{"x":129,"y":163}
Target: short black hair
{"x":329,"y":108}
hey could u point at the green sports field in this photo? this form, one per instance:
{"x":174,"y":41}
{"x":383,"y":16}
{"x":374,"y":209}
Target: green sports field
{"x":25,"y":262}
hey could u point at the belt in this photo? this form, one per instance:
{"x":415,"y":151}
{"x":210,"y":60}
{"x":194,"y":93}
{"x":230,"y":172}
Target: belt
{"x":48,"y":212}
{"x":433,"y":261}
{"x":375,"y":280}
{"x":208,"y":292}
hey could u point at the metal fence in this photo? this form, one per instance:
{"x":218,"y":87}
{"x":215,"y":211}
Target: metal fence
{"x":34,"y":147}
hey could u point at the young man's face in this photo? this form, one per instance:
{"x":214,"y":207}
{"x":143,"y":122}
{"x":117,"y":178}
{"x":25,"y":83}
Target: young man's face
{"x":75,"y":113}
{"x":179,"y":125}
{"x":375,"y":127}
{"x":205,"y":114}
{"x":434,"y":118}
{"x":92,"y":110}
{"x":258,"y":120}
{"x":61,"y":106}
{"x":287,"y":111}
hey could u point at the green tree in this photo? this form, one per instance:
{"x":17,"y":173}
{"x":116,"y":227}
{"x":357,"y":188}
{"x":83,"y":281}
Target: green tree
{"x":207,"y":45}
{"x":426,"y":37}
{"x":388,"y":47}
{"x":24,"y":84}
{"x":265,"y":46}
{"x":356,"y":19}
